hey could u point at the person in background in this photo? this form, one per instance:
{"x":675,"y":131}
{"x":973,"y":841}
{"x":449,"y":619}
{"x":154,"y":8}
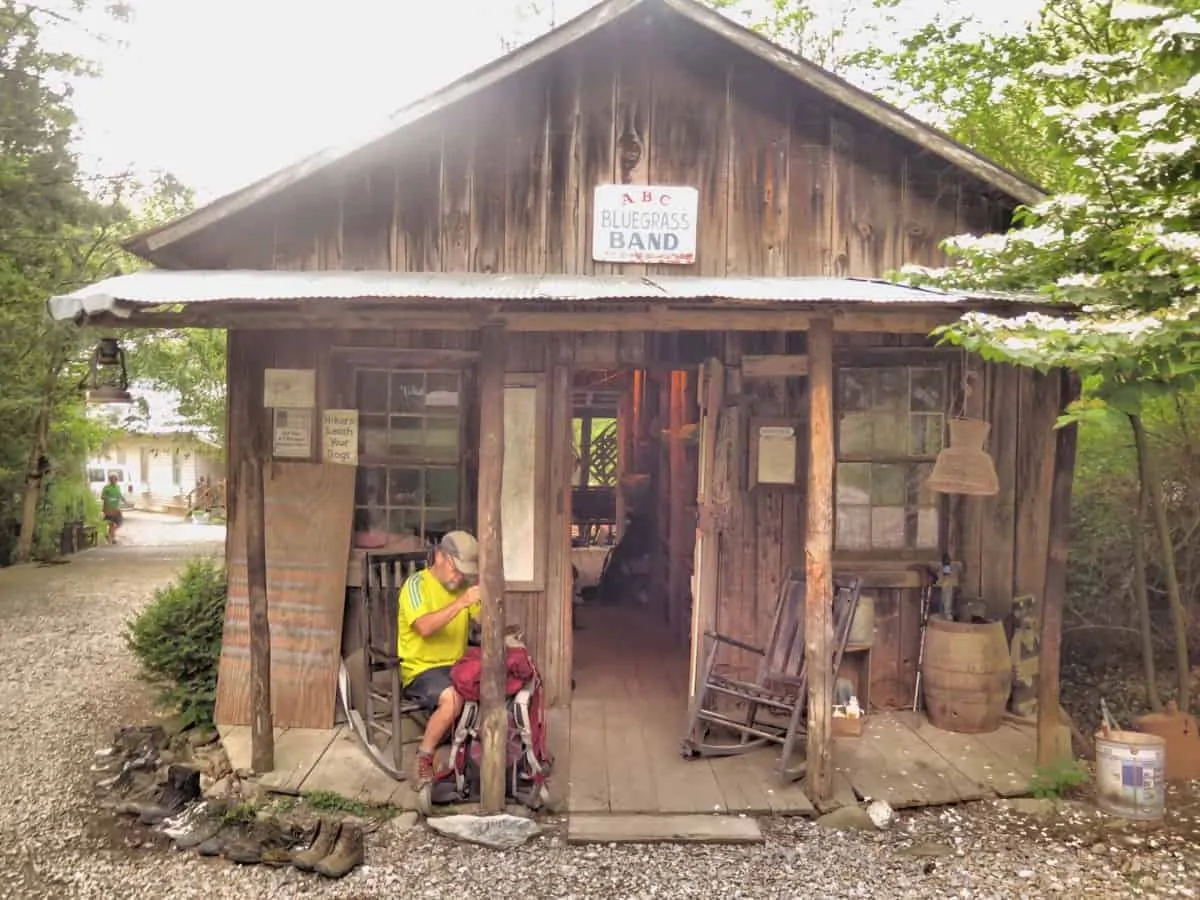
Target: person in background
{"x":437,"y":608}
{"x":110,"y":503}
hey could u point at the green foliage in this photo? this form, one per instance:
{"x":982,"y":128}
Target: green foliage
{"x":1059,"y":779}
{"x":177,"y":640}
{"x":332,"y":802}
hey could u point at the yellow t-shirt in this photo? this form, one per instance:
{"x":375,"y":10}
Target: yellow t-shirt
{"x":421,"y":594}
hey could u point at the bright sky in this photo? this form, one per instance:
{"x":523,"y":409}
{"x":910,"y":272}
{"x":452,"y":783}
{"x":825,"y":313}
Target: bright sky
{"x":223,"y":92}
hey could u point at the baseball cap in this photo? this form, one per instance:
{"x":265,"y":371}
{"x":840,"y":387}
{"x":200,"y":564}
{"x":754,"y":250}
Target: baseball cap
{"x":463,"y":550}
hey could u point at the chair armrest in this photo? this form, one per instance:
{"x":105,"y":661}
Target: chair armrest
{"x":734,"y":642}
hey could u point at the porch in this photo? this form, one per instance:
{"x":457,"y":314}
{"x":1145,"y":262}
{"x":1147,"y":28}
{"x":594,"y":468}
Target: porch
{"x":617,"y":746}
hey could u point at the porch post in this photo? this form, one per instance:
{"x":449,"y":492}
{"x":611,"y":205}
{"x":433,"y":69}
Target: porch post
{"x":494,"y":726}
{"x":1054,"y":591}
{"x":818,"y":553}
{"x":262,"y":727}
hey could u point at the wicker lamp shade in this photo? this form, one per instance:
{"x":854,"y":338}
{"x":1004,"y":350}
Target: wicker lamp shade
{"x":963,"y":466}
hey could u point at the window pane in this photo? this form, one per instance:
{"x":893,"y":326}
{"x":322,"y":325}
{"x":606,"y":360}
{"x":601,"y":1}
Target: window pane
{"x":372,"y":435}
{"x":928,"y":390}
{"x":855,"y":389}
{"x":854,"y":527}
{"x":917,"y":494}
{"x":408,"y":391}
{"x":370,"y":519}
{"x":887,"y":527}
{"x":926,"y":434}
{"x":372,"y":391}
{"x":891,"y":389}
{"x":405,"y":521}
{"x":889,"y":485}
{"x":854,"y":433}
{"x":441,"y":487}
{"x":853,"y":484}
{"x":440,"y":520}
{"x":927,"y":528}
{"x":370,"y":487}
{"x":441,"y":391}
{"x":404,"y":436}
{"x":890,"y":433}
{"x":404,"y":487}
{"x":441,"y":437}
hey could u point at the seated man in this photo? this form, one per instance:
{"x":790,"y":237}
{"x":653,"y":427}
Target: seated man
{"x":437,"y":607}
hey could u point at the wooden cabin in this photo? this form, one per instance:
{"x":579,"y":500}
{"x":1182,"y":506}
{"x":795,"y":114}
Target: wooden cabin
{"x":678,"y":231}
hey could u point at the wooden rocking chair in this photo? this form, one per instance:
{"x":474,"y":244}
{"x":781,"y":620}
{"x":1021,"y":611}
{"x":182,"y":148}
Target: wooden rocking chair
{"x":384,"y":706}
{"x":776,"y":699}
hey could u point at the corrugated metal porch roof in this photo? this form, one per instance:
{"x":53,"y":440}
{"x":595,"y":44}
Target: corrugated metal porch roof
{"x":119,"y":297}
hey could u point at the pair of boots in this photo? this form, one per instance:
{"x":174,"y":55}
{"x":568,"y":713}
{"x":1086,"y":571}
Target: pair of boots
{"x":336,"y":850}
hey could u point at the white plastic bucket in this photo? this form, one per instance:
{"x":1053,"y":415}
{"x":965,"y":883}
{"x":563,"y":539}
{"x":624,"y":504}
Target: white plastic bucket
{"x":1129,"y":774}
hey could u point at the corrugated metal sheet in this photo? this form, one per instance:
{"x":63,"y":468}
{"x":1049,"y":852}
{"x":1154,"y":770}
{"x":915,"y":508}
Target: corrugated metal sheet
{"x":154,"y":287}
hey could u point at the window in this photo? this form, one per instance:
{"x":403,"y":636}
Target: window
{"x":408,"y":445}
{"x":890,"y":427}
{"x":177,"y":467}
{"x":120,"y":456}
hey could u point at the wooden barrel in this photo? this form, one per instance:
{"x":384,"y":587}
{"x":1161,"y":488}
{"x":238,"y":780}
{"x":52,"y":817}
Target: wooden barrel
{"x":966,"y":675}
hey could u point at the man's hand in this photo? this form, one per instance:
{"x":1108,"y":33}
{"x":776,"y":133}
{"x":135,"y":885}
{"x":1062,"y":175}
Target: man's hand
{"x":470,"y":596}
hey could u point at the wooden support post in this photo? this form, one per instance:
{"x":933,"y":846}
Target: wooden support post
{"x":706,"y":553}
{"x":262,"y":727}
{"x":494,"y":727}
{"x":1053,"y":594}
{"x":678,"y":501}
{"x":818,"y":553}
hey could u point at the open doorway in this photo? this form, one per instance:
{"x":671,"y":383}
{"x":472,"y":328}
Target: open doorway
{"x":633,"y":520}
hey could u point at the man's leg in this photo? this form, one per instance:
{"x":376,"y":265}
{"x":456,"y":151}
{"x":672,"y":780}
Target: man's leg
{"x":435,"y":692}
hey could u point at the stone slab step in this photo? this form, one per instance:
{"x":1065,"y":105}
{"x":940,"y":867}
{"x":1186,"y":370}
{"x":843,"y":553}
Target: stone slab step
{"x":653,"y":829}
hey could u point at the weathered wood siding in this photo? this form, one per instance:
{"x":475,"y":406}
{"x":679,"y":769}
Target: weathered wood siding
{"x":789,"y":183}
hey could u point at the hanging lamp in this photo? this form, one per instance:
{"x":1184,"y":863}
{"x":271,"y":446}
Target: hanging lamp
{"x":107,"y":380}
{"x":963,"y":466}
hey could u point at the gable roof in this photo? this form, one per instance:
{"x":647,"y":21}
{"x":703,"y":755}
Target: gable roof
{"x":148,"y":243}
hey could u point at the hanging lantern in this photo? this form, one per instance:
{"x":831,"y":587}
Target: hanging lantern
{"x":107,"y":380}
{"x":963,"y":466}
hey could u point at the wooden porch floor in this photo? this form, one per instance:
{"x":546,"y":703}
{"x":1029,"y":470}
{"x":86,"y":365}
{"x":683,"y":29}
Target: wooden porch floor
{"x":629,"y":712}
{"x":617,"y":748}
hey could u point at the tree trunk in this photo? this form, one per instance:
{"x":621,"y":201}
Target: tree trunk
{"x":34,"y":473}
{"x":1143,"y":603}
{"x":1152,"y":485}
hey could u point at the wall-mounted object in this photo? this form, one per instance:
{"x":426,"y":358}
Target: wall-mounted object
{"x":292,"y":434}
{"x":290,"y":388}
{"x":774,"y":452}
{"x":339,"y":435}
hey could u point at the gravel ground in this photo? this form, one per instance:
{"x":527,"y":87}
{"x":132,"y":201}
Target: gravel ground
{"x":66,"y":682}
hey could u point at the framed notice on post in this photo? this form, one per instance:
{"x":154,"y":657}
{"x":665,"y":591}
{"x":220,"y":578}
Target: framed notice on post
{"x":774,"y":453}
{"x":290,"y":388}
{"x":339,"y":435}
{"x":292,"y":434}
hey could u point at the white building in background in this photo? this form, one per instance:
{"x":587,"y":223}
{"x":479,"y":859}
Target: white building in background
{"x":165,"y":456}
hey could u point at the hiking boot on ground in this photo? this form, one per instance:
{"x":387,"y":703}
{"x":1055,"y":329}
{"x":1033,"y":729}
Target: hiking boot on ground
{"x":322,"y":846}
{"x":202,"y":831}
{"x":182,"y":787}
{"x":346,"y":855}
{"x":263,"y":841}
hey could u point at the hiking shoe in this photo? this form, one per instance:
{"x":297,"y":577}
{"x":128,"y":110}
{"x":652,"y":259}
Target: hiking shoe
{"x":201,"y":833}
{"x":263,"y":841}
{"x":425,"y":771}
{"x":346,"y":855}
{"x":322,"y":846}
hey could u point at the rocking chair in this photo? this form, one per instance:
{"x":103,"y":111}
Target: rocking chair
{"x":775,"y":701}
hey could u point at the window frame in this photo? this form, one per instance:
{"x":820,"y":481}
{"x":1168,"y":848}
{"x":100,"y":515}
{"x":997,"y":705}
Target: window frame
{"x":421,"y":462}
{"x":872,"y":458}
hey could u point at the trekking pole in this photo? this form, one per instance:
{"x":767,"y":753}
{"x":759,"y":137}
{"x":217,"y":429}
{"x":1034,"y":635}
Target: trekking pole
{"x":926,"y":601}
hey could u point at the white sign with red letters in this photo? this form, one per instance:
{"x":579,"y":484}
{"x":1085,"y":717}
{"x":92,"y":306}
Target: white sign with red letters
{"x":638,"y":223}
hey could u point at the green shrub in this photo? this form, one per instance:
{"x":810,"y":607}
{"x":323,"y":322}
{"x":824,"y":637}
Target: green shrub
{"x":177,"y":640}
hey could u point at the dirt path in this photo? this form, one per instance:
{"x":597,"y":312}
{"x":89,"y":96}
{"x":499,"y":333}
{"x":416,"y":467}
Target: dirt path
{"x":66,"y":680}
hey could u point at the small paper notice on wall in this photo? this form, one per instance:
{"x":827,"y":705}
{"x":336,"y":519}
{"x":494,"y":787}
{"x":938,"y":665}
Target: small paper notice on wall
{"x":290,"y":388}
{"x":339,"y":433}
{"x":776,"y":454}
{"x":293,"y":433}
